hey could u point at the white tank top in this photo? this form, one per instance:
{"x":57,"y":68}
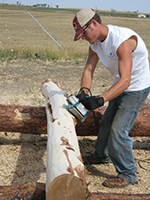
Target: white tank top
{"x":106,"y":51}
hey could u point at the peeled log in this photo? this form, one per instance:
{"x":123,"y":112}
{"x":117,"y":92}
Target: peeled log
{"x":32,"y":120}
{"x":65,"y":172}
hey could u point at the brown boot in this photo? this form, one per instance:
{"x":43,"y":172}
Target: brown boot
{"x":89,"y":160}
{"x":117,"y":182}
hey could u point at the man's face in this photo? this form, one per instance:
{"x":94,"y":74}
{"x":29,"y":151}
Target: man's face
{"x":89,"y":33}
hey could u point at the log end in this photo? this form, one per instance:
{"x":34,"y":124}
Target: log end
{"x":67,"y":187}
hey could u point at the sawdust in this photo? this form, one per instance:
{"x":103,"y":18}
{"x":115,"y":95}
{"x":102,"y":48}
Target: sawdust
{"x":23,"y":156}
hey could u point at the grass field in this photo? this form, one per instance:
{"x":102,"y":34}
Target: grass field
{"x":20,"y":35}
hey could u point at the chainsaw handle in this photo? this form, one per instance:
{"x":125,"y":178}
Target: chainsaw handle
{"x":86,"y":89}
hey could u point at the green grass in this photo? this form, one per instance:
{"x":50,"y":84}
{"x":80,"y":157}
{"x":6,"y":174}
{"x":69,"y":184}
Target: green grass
{"x":9,"y":55}
{"x":51,"y":56}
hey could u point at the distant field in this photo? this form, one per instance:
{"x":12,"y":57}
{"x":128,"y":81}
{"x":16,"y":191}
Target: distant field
{"x":20,"y":33}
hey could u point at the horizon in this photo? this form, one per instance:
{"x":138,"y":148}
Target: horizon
{"x":126,"y":6}
{"x":76,"y":8}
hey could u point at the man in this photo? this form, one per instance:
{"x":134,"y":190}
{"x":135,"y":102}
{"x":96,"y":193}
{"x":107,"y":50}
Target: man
{"x":124,"y":54}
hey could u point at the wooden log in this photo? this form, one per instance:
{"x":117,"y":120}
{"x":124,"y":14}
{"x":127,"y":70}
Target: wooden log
{"x":30,"y":191}
{"x":90,"y":126}
{"x":65,"y":172}
{"x":32,"y":120}
{"x":23,"y":119}
{"x":36,"y":191}
{"x":112,"y":196}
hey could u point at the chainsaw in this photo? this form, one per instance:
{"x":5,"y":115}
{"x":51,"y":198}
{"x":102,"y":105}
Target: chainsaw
{"x":76,"y":108}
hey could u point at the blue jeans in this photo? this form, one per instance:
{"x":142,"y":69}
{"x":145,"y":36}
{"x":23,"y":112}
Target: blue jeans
{"x":113,"y":140}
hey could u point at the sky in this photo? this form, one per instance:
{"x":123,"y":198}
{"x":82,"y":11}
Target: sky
{"x":118,"y":5}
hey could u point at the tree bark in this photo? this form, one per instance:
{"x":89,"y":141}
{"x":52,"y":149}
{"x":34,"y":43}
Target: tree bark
{"x":112,"y":196}
{"x":36,"y":191}
{"x":65,"y":172}
{"x":30,"y":191}
{"x":91,"y":125}
{"x":23,"y":119}
{"x":32,"y":120}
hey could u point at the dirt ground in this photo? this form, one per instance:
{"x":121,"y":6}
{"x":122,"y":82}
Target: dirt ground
{"x":23,"y":156}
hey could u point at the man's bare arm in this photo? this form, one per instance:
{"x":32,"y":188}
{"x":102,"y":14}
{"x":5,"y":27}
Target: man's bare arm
{"x":87,"y":76}
{"x":124,"y":54}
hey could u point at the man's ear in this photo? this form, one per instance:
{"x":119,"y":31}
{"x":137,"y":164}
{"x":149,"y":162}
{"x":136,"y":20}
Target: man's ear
{"x":93,"y":22}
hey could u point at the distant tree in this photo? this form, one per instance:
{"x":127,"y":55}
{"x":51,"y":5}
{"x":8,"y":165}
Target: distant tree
{"x":57,"y":6}
{"x":44,"y":4}
{"x":112,"y":10}
{"x":18,"y":3}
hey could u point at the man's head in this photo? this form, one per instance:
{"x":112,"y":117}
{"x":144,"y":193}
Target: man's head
{"x":82,"y":20}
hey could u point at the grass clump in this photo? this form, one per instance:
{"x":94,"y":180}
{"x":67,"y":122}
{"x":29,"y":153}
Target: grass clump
{"x":51,"y":56}
{"x":9,"y":55}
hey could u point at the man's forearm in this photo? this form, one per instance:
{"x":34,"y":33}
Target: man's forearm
{"x":86,"y":82}
{"x":115,"y":90}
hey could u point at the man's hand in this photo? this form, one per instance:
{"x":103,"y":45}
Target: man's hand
{"x":82,"y":95}
{"x":92,"y":102}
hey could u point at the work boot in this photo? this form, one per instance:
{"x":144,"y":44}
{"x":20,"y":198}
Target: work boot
{"x":117,"y":182}
{"x":89,"y":160}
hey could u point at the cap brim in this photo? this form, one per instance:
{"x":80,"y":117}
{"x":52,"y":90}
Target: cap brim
{"x":78,"y":34}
